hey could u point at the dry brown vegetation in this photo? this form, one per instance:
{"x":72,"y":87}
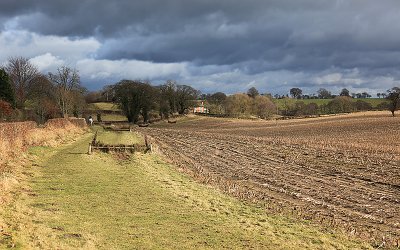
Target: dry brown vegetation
{"x":341,"y":172}
{"x":16,"y":137}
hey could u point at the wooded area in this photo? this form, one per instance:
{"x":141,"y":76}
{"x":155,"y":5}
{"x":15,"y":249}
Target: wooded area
{"x":27,"y":94}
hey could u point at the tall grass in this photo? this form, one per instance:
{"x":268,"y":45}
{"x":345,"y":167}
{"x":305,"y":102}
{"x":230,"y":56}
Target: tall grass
{"x":16,"y":137}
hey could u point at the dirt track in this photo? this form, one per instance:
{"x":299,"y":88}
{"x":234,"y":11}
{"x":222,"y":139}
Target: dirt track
{"x":341,"y":171}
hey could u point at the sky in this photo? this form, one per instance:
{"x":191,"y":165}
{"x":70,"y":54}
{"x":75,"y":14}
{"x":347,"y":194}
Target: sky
{"x":224,"y":45}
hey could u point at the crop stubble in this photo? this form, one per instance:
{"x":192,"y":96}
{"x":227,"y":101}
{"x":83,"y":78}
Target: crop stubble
{"x":341,"y":171}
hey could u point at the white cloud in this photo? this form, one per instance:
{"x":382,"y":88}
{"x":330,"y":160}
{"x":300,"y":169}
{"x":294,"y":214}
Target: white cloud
{"x":47,"y":62}
{"x":29,"y":44}
{"x":129,"y":69}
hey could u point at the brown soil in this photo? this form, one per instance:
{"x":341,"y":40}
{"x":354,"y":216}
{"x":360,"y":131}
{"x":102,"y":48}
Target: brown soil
{"x":338,"y":171}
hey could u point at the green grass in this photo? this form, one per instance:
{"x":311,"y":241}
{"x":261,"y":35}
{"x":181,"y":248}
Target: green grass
{"x":103,"y":106}
{"x":373,"y":101}
{"x":109,"y":117}
{"x":115,"y":138}
{"x":102,"y":201}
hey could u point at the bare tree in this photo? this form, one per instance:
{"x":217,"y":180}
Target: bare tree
{"x":136,"y":98}
{"x":185,"y":95}
{"x":324,"y":93}
{"x":169,"y":97}
{"x":42,"y":99}
{"x":394,"y":98}
{"x":263,"y":107}
{"x":22,"y":74}
{"x":67,"y":84}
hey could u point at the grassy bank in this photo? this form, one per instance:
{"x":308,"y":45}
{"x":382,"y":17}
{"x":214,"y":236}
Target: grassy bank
{"x":101,"y":201}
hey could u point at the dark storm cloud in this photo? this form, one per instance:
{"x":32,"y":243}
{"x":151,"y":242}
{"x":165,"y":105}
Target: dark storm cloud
{"x":253,"y":36}
{"x":221,"y":32}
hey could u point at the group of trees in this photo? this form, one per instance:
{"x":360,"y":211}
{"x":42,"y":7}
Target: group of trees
{"x":141,"y":99}
{"x":323,"y":93}
{"x":25,"y":93}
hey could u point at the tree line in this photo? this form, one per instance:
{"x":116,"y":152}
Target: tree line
{"x":25,"y":93}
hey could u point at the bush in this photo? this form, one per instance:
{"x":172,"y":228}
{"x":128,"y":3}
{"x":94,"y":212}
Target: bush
{"x":340,"y":104}
{"x":263,"y":107}
{"x":6,"y":110}
{"x":238,"y":105}
{"x":360,"y":105}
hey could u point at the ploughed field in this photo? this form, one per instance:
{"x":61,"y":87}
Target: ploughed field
{"x":339,"y":171}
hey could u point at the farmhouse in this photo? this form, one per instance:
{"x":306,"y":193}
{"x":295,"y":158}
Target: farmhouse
{"x":200,"y":109}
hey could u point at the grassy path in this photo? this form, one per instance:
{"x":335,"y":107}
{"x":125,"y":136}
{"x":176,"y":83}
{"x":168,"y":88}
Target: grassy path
{"x":101,"y":201}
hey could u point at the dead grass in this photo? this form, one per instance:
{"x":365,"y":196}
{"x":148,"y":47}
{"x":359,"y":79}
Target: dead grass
{"x":14,"y":159}
{"x":79,"y":201}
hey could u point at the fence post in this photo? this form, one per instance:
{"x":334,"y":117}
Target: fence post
{"x":90,"y":149}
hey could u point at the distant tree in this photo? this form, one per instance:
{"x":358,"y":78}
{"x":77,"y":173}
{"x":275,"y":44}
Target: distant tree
{"x":310,"y":109}
{"x":217,"y":98}
{"x":94,"y":96}
{"x":324,"y":93}
{"x":216,"y":103}
{"x":344,"y":92}
{"x":382,"y":106}
{"x":163,"y":102}
{"x":78,"y":101}
{"x":263,"y":107}
{"x":6,"y":90}
{"x":288,"y":106}
{"x":361,"y":105}
{"x":67,"y":85}
{"x":298,"y":108}
{"x":296,"y":93}
{"x":135,"y":98}
{"x":169,"y":103}
{"x":185,"y":95}
{"x":269,"y":95}
{"x":340,"y":104}
{"x":252,"y":92}
{"x":365,"y":95}
{"x":42,"y":96}
{"x":238,"y":105}
{"x":108,"y":94}
{"x":22,"y":74}
{"x":394,"y":99}
{"x":378,"y":95}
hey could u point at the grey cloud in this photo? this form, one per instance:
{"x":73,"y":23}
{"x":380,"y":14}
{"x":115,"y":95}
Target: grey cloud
{"x":256,"y":37}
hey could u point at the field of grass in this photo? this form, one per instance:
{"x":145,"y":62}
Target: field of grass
{"x":103,"y":106}
{"x":109,"y":117}
{"x":73,"y":200}
{"x":373,"y":101}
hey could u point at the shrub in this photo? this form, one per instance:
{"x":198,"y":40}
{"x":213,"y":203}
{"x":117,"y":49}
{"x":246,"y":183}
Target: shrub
{"x":360,"y":105}
{"x":263,"y":107}
{"x":6,"y":109}
{"x":340,"y":104}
